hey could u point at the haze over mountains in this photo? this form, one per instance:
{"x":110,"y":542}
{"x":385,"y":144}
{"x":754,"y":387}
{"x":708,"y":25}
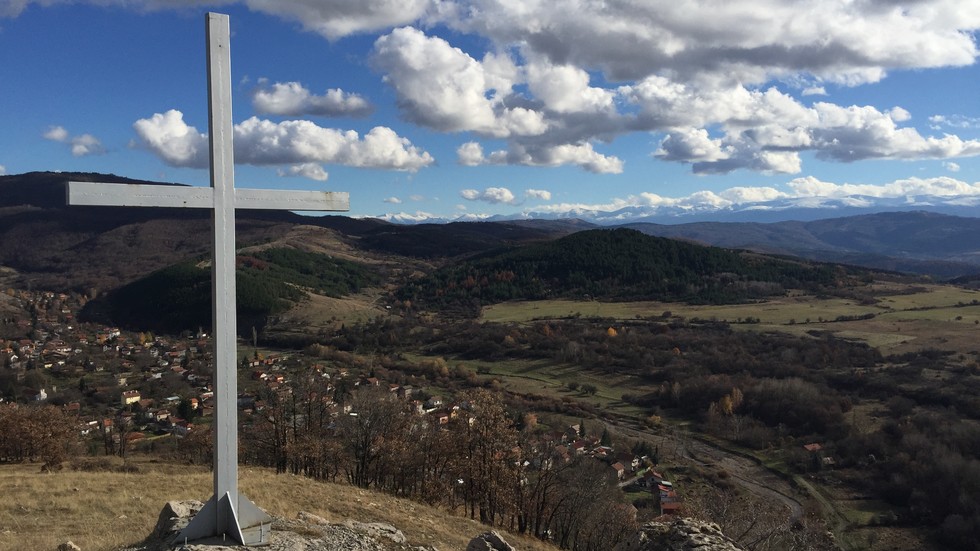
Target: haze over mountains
{"x":39,"y":233}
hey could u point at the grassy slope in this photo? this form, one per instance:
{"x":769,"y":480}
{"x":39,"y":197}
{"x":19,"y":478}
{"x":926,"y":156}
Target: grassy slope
{"x":109,"y":510}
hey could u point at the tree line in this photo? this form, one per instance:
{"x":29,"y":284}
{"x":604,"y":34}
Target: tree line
{"x":478,"y":463}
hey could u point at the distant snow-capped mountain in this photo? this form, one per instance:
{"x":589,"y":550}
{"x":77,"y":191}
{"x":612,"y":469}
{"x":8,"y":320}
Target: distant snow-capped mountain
{"x":801,"y":209}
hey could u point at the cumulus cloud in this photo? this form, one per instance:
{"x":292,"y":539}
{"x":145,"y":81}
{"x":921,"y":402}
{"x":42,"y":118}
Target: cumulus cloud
{"x":494,"y":195}
{"x":559,"y":77}
{"x":844,"y":42}
{"x":541,"y":194}
{"x":582,"y":155}
{"x":470,"y":154}
{"x":802,"y":192}
{"x":565,"y":88}
{"x":338,"y":18}
{"x":263,"y":142}
{"x":393,"y":200}
{"x":56,"y":134}
{"x":442,"y":87}
{"x":502,"y":195}
{"x":173,"y":140}
{"x":313,"y":171}
{"x":908,"y":187}
{"x":81,"y":145}
{"x":764,"y":130}
{"x":292,"y":99}
{"x":951,"y":166}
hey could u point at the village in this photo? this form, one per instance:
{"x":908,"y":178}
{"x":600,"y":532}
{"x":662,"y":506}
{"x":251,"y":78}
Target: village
{"x":134,"y":390}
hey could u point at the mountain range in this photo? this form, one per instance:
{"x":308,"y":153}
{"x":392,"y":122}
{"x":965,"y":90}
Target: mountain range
{"x":49,"y":243}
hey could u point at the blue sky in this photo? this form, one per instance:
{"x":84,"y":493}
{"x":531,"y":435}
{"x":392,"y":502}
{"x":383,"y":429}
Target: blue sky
{"x":470,"y":108}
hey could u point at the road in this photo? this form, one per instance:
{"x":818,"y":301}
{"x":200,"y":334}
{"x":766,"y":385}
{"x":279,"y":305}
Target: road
{"x":750,"y":475}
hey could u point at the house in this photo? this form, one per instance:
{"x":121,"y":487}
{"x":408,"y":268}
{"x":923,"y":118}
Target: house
{"x":432,"y":403}
{"x":130,"y":397}
{"x":619,"y":469}
{"x":579,"y":446}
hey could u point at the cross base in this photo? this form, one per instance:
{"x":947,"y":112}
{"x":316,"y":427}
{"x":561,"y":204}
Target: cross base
{"x":246,"y":523}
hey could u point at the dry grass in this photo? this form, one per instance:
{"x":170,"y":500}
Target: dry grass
{"x":109,"y":509}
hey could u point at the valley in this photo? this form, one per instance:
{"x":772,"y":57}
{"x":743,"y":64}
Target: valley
{"x":826,"y":399}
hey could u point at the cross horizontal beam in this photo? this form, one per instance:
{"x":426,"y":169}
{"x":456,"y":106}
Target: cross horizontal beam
{"x":157,"y":195}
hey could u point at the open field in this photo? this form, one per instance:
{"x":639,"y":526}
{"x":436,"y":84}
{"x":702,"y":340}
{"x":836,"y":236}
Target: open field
{"x":905,"y":318}
{"x":107,"y":510}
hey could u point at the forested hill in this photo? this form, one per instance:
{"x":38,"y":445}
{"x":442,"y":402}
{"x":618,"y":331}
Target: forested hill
{"x":178,"y":297}
{"x":617,"y":264}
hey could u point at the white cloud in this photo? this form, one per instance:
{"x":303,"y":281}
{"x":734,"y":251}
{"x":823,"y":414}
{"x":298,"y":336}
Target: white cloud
{"x":565,"y":88}
{"x":541,"y":194}
{"x":692,"y":145}
{"x":393,"y":200}
{"x":582,"y":155}
{"x":470,"y":154}
{"x":81,"y":145}
{"x":3,"y":170}
{"x":808,"y":192}
{"x":313,"y":171}
{"x":706,"y":75}
{"x":493,"y":195}
{"x":56,"y":134}
{"x":173,"y":140}
{"x":263,"y":142}
{"x":843,"y":42}
{"x":956,"y":121}
{"x":293,"y":99}
{"x":951,"y":166}
{"x":338,"y":18}
{"x":909,"y":187}
{"x":442,"y":87}
{"x":765,"y":130}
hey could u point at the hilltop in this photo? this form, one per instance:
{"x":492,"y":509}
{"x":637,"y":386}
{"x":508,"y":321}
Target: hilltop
{"x":113,"y":504}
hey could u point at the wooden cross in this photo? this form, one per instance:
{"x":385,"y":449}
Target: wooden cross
{"x":227,"y":513}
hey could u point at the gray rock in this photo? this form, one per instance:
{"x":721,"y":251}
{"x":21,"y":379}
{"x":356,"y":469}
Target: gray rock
{"x":489,"y":541}
{"x":681,"y":534}
{"x":310,"y":518}
{"x":308,"y":532}
{"x":173,"y":518}
{"x":377,"y":530}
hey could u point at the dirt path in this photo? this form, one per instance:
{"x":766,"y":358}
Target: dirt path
{"x":748,"y":474}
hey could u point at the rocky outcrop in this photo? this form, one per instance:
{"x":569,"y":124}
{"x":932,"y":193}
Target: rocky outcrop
{"x":308,"y":532}
{"x":682,"y":534}
{"x":489,"y":541}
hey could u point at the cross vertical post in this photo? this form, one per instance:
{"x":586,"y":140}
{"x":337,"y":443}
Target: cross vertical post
{"x":227,"y":513}
{"x":223,"y":285}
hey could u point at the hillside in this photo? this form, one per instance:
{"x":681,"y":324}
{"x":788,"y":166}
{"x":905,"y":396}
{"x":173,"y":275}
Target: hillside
{"x":617,"y":264}
{"x":116,"y":505}
{"x":269,"y":281}
{"x":918,"y":242}
{"x":95,"y":249}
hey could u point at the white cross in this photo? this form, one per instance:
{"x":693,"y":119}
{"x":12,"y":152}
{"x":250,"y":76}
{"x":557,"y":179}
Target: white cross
{"x":227,"y":512}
